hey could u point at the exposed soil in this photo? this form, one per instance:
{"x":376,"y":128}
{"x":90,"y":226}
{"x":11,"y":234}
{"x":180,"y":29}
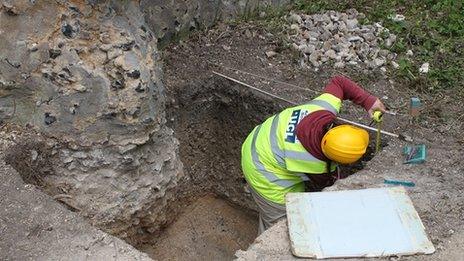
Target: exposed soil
{"x":199,"y":98}
{"x":208,"y":229}
{"x":211,"y":117}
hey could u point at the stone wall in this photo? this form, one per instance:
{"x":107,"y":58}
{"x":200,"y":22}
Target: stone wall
{"x":169,"y":19}
{"x":87,"y":76}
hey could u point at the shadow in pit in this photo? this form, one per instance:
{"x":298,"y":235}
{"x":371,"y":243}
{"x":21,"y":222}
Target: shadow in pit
{"x":211,"y":120}
{"x":217,"y":217}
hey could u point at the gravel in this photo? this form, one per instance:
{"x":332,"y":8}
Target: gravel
{"x":340,"y":39}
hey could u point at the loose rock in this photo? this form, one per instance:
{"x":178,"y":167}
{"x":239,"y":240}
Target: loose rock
{"x":424,"y":68}
{"x":339,"y":37}
{"x":270,"y":54}
{"x":294,"y":18}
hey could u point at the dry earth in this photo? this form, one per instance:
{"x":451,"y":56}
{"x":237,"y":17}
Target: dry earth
{"x":211,"y":117}
{"x":439,"y":182}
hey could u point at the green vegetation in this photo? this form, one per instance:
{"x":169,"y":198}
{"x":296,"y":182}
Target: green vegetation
{"x":433,"y":30}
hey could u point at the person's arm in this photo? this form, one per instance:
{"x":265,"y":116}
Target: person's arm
{"x":345,"y":89}
{"x":312,"y":128}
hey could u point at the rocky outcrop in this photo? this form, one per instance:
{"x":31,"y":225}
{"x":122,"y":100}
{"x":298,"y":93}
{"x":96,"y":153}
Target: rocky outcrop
{"x":170,"y":19}
{"x":86,"y":75}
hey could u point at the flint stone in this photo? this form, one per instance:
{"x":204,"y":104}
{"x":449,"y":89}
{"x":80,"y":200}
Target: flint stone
{"x":33,"y":47}
{"x":398,"y":18}
{"x":390,"y":40}
{"x":394,"y":64}
{"x":383,"y":53}
{"x":339,"y":65}
{"x":318,"y":18}
{"x":308,"y":24}
{"x":379,"y":62}
{"x":355,"y":39}
{"x":294,"y":27}
{"x":334,"y":17}
{"x":325,"y":18}
{"x":424,"y":68}
{"x":342,"y":27}
{"x":365,"y":29}
{"x":114,"y":53}
{"x":270,"y":54}
{"x":326,"y":46}
{"x":330,"y":54}
{"x":305,"y":35}
{"x":351,"y":24}
{"x":314,"y":57}
{"x":105,"y":47}
{"x":294,"y":18}
{"x":325,"y":36}
{"x":314,"y":34}
{"x":295,"y":46}
{"x":329,"y":26}
{"x":128,"y":61}
{"x":308,"y":48}
{"x":79,"y":87}
{"x":369,"y":37}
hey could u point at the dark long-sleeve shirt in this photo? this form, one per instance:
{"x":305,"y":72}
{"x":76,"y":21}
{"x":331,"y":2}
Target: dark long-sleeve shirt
{"x":311,"y":129}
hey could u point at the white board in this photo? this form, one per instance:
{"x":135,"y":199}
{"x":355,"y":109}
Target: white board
{"x":356,"y":223}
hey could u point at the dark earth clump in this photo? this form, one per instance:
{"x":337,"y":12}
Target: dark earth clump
{"x":32,"y":159}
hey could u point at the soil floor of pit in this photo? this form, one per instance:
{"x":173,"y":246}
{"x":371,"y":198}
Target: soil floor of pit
{"x":208,"y":229}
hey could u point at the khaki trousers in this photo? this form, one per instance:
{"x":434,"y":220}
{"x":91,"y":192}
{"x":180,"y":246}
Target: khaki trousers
{"x":269,"y":212}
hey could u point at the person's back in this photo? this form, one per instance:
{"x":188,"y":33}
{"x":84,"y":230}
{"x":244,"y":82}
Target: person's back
{"x":283,"y":152}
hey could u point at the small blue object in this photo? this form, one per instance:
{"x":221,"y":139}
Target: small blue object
{"x":414,"y":107}
{"x":415,"y":102}
{"x":414,"y":154}
{"x":399,"y":182}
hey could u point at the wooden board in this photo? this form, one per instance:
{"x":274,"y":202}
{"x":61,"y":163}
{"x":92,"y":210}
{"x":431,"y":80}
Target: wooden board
{"x":357,"y":223}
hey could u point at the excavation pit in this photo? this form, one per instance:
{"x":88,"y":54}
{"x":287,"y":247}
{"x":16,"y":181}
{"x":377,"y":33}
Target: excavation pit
{"x":211,"y":119}
{"x":208,"y":229}
{"x":209,"y":214}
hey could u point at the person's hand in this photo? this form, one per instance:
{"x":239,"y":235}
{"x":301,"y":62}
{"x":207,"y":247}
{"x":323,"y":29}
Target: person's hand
{"x":377,"y":106}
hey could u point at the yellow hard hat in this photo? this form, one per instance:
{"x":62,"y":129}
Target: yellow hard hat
{"x":345,"y":144}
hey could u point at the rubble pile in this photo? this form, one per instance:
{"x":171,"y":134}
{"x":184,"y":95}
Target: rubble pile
{"x":339,"y":38}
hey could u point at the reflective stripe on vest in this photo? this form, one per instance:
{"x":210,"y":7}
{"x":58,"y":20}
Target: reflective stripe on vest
{"x":324,"y":105}
{"x":271,"y":177}
{"x":279,"y":154}
{"x":283,"y":161}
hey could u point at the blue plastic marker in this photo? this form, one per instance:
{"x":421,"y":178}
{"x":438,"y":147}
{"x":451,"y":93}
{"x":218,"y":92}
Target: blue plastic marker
{"x":399,"y":182}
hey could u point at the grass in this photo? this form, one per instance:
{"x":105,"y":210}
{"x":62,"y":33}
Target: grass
{"x":433,"y":30}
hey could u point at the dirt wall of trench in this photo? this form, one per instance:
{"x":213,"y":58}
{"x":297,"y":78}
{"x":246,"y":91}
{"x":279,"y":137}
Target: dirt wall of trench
{"x":211,"y":117}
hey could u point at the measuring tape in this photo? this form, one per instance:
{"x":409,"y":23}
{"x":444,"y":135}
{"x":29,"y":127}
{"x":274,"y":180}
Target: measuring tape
{"x":377,"y":117}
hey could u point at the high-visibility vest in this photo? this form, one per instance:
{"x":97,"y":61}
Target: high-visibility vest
{"x":273,"y":160}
